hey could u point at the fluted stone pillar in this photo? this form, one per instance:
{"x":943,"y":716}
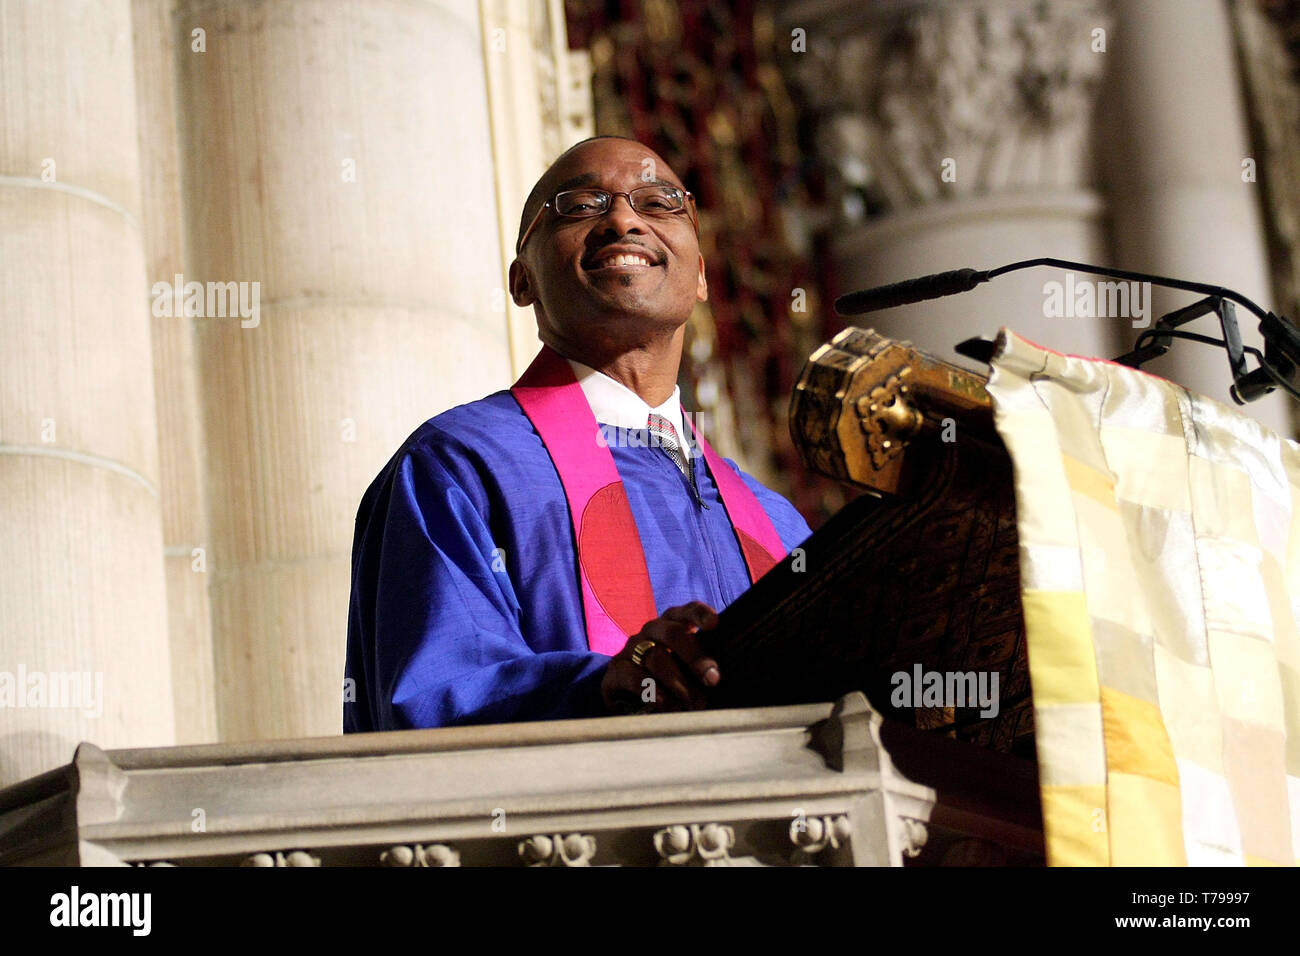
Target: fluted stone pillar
{"x":1183,"y":202}
{"x":539,"y":97}
{"x":180,"y":436}
{"x":970,"y":125}
{"x":339,"y":156}
{"x":83,"y":613}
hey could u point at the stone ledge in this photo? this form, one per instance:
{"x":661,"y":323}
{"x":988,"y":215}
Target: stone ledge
{"x":803,"y":785}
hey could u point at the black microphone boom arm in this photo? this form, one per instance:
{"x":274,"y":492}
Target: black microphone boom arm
{"x":1277,"y":363}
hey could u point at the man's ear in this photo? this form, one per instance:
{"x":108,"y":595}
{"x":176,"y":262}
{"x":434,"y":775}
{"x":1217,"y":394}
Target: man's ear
{"x":702,"y":287}
{"x":521,"y":285}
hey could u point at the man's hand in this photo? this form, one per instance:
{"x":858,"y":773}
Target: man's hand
{"x":673,"y":669}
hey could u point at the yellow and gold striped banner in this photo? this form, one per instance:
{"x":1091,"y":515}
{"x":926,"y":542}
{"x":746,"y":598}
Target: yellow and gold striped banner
{"x":1160,"y":565}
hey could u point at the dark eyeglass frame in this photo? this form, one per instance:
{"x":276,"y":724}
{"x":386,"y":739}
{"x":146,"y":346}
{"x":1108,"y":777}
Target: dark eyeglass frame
{"x":688,"y":207}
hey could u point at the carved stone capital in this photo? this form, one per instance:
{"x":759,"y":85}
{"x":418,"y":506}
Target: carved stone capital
{"x":997,"y":94}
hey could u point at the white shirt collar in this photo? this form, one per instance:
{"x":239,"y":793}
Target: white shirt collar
{"x":613,"y":403}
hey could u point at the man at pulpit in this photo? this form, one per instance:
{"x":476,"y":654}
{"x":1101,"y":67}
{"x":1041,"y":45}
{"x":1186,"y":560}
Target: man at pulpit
{"x":554,"y":550}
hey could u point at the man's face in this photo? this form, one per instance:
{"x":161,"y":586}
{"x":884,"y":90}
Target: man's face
{"x":583,"y":298}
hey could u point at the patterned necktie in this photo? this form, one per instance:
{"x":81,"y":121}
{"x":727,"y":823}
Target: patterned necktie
{"x":663,"y":435}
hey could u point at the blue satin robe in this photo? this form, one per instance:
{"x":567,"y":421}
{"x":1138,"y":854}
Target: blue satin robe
{"x":465,"y":604}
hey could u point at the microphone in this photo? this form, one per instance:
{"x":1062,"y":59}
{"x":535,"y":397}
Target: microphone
{"x":963,"y":280}
{"x":1277,"y":364}
{"x":909,"y":291}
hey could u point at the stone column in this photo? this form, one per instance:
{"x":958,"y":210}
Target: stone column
{"x":83,"y":641}
{"x":511,"y":32}
{"x":339,"y":156}
{"x":1183,"y":203}
{"x":959,"y":135}
{"x":180,"y":432}
{"x":539,"y":95}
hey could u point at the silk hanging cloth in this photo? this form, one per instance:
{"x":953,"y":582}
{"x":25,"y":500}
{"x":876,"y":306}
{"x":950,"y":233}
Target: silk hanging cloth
{"x":616,"y":593}
{"x":1160,"y":574}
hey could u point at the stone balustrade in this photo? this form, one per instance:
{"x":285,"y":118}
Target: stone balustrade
{"x":806,"y":785}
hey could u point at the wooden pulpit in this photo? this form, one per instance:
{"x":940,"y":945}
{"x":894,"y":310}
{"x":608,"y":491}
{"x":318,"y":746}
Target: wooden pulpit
{"x":918,"y":576}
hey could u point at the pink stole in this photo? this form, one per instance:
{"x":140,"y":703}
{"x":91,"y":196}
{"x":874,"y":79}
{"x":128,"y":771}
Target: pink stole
{"x":617,"y":598}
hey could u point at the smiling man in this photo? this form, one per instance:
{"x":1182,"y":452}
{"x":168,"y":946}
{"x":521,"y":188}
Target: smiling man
{"x":555,"y":550}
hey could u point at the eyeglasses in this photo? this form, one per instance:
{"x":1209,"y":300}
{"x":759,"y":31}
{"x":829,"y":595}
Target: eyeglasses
{"x":651,"y":201}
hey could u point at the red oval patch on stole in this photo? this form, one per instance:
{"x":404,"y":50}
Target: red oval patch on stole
{"x":613,"y":560}
{"x":757,"y":557}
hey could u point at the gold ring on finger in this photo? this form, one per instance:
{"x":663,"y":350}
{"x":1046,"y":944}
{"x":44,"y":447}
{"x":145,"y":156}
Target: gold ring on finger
{"x":640,"y":651}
